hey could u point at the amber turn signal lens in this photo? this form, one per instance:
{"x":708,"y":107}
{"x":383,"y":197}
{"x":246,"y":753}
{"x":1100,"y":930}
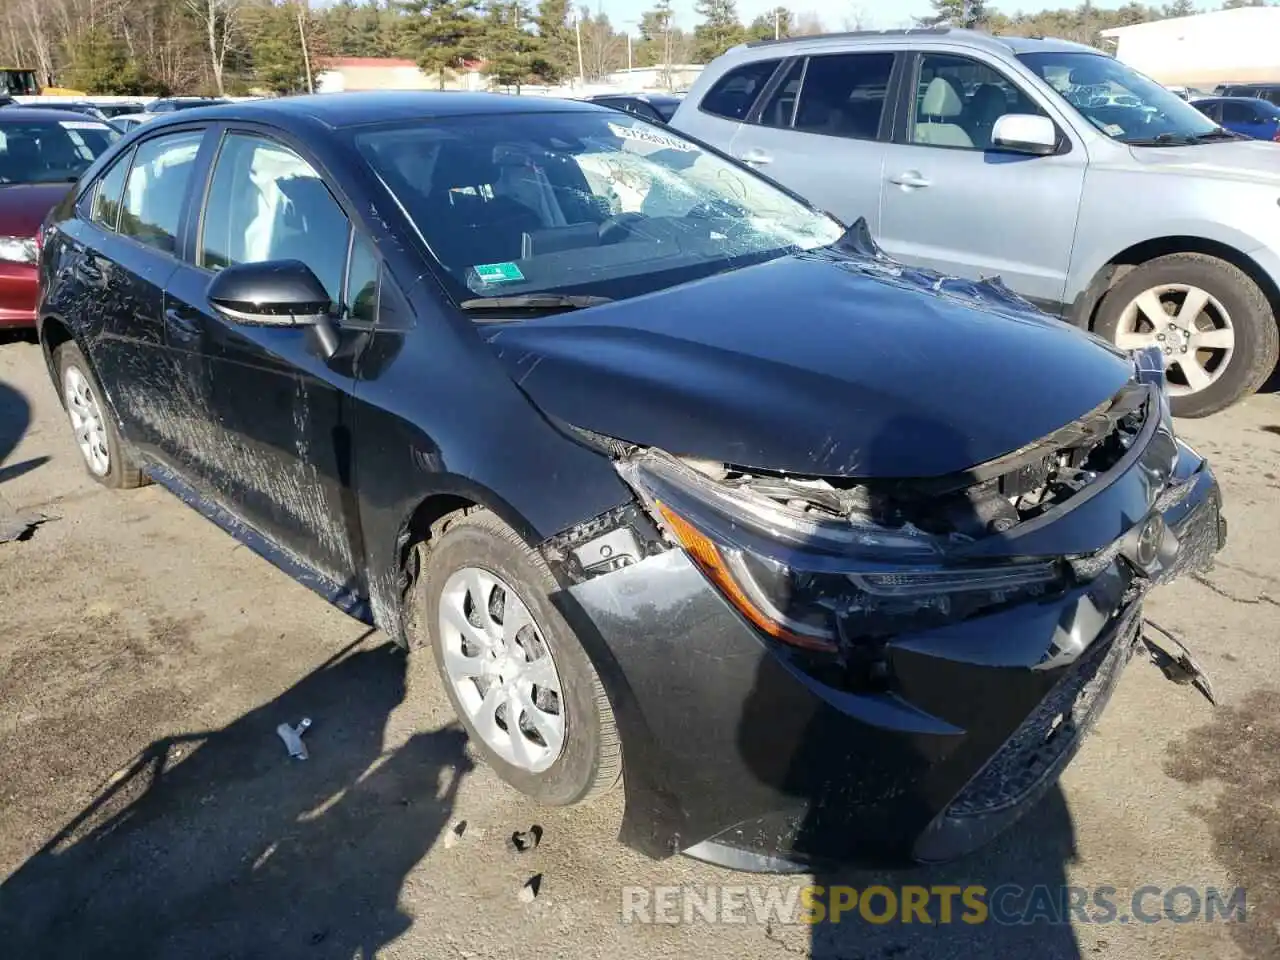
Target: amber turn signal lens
{"x":707,"y":556}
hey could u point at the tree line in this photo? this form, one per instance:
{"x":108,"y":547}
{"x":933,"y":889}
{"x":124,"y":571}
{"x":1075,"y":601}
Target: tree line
{"x":140,"y":47}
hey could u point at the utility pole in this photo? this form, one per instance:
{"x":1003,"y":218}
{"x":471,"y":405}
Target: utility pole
{"x":303,"y":17}
{"x":777,"y":24}
{"x":628,"y":50}
{"x":577,"y":29}
{"x":1086,"y":15}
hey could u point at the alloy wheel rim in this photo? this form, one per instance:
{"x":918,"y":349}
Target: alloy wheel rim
{"x":87,"y":422}
{"x":501,"y":669}
{"x":1189,"y":325}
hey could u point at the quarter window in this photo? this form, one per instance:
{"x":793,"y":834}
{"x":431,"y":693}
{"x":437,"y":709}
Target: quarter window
{"x":157,"y":188}
{"x":959,"y":100}
{"x":843,"y":95}
{"x":105,"y":209}
{"x":267,"y":203}
{"x":735,"y":92}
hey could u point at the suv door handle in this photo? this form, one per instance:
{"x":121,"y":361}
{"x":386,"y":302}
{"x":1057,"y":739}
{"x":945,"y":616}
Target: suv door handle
{"x":756,"y":157}
{"x":910,"y":180}
{"x":181,"y":326}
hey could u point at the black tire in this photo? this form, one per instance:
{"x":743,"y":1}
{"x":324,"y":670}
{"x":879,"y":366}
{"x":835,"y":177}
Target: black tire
{"x":590,"y":762}
{"x":1257,"y":343}
{"x":122,"y":472}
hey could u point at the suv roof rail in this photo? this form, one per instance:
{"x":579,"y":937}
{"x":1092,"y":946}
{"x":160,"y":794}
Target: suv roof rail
{"x":910,"y":31}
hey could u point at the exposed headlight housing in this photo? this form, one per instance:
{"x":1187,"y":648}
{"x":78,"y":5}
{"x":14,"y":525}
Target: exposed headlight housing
{"x":814,"y":579}
{"x":19,"y":249}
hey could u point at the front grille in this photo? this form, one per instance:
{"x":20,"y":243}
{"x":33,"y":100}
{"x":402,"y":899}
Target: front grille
{"x":1046,"y":739}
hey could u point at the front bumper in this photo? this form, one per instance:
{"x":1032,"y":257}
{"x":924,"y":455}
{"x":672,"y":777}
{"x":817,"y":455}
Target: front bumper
{"x":18,"y":286}
{"x":736,"y":754}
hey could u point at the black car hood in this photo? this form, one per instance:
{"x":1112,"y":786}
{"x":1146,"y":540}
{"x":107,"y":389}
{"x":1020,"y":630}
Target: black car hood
{"x":821,"y":364}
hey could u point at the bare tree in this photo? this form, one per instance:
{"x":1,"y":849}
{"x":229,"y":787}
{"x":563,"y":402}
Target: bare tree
{"x":808,"y":24}
{"x":856,"y":18}
{"x":217,"y":20}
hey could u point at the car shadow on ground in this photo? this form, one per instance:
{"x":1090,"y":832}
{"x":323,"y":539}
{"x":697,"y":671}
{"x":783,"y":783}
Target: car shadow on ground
{"x":15,"y":418}
{"x":218,"y":844}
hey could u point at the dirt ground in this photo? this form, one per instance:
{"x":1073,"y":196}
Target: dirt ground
{"x":148,"y":809}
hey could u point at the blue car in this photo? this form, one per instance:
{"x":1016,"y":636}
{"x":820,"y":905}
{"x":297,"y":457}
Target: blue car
{"x":1251,"y":116}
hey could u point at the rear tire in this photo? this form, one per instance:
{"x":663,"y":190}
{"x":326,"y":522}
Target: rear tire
{"x":105,"y":457}
{"x":477,"y":557}
{"x":1234,"y":303}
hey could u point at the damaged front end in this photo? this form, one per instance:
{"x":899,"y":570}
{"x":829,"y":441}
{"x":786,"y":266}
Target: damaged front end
{"x":932,"y":649}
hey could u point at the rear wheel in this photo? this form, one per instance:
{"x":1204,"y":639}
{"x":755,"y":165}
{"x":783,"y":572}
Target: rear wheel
{"x":101,"y":448}
{"x":1211,"y":321}
{"x":518,"y":678}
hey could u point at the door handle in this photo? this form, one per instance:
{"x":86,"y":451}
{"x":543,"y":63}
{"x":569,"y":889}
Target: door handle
{"x":911,"y":179}
{"x":87,"y":273}
{"x":756,"y":157}
{"x":181,"y":326}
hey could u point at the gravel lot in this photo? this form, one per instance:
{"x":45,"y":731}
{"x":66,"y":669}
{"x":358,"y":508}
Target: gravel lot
{"x":147,"y":807}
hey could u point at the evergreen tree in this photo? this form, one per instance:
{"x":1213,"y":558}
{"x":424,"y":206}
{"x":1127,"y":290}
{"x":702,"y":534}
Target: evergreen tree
{"x":442,"y":35}
{"x":969,"y":14}
{"x":512,"y":53}
{"x":557,"y":55}
{"x":720,"y":29}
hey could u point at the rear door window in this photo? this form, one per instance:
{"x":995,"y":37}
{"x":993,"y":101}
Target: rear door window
{"x":734,"y":94}
{"x":1238,"y":113}
{"x":105,"y":209}
{"x":267,"y":203}
{"x":843,"y":95}
{"x":156,"y":190}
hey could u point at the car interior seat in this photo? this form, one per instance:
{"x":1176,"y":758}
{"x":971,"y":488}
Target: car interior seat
{"x":939,"y":111}
{"x":987,"y":104}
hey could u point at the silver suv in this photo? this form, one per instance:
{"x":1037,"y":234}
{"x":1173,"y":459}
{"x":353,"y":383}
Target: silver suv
{"x":1088,"y":188}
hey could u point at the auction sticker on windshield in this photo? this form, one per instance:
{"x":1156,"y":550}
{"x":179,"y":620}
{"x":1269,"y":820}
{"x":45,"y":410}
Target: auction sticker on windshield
{"x":498,"y":272}
{"x":82,"y":125}
{"x":650,"y":136}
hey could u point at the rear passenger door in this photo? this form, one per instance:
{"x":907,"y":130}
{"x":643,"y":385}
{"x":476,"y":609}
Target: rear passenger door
{"x":273,"y":439}
{"x":952,"y":203}
{"x":820,"y":130}
{"x":139,"y":209}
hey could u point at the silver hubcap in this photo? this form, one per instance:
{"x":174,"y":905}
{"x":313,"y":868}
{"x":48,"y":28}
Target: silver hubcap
{"x":501,"y":669}
{"x":86,"y":420}
{"x":1192,"y":328}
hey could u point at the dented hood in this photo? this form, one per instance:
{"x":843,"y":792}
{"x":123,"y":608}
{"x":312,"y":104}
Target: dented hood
{"x":816,"y":364}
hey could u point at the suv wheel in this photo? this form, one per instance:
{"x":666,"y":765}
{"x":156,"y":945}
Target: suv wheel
{"x":514,"y":670}
{"x":1214,"y":324}
{"x":105,"y":456}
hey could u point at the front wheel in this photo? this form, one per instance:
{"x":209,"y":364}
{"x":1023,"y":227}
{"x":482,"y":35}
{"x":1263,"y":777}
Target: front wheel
{"x":1211,"y":321}
{"x":518,"y":678}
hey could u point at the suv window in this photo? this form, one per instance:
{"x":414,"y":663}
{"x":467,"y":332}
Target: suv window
{"x":780,"y":111}
{"x":735,"y":92}
{"x":362,"y":281}
{"x":843,"y":95}
{"x":105,"y":209}
{"x":157,"y":188}
{"x":267,"y":203}
{"x":959,"y":100}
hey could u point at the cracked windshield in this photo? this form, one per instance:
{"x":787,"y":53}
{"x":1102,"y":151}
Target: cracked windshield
{"x":598,"y":204}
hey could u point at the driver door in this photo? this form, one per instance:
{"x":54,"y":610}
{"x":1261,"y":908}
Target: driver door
{"x":273,"y":445}
{"x":952,"y":203}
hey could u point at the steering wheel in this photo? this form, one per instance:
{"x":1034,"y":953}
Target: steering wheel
{"x":618,"y":227}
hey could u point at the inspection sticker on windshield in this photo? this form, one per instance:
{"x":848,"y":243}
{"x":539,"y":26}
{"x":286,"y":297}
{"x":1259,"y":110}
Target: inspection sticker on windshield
{"x":650,"y":136}
{"x":82,"y":125}
{"x":498,"y":272}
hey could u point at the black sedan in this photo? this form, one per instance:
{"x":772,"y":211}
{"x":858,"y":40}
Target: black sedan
{"x":654,"y":107}
{"x":680,"y":483}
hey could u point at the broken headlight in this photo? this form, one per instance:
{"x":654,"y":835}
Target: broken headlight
{"x":813,"y":570}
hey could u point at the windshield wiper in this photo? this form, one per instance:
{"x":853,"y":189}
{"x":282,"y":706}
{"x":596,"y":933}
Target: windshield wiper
{"x":1183,"y":139}
{"x":1220,"y":134}
{"x":533,"y":301}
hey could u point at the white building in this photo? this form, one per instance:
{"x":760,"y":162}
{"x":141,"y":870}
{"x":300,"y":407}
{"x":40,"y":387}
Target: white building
{"x":1241,"y":44}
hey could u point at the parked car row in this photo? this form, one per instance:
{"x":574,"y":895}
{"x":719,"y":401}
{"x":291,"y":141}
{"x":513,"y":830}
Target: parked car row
{"x":678,"y":480}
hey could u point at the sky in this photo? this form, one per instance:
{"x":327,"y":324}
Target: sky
{"x":875,"y":14}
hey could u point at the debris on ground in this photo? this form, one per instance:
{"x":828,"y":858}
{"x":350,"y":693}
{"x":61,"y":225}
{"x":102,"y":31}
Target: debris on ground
{"x":529,"y":891}
{"x":20,"y":527}
{"x":292,"y":737}
{"x":1180,"y":667}
{"x":523,"y":841}
{"x":454,"y":834}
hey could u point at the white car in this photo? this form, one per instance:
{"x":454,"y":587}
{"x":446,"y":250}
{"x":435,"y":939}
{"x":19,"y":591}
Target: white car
{"x":127,"y":121}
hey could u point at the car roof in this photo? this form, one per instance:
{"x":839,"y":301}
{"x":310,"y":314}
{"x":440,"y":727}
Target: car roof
{"x":1015,"y":45}
{"x":354,"y":109}
{"x":40,"y":113}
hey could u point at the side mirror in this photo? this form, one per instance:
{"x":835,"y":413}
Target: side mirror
{"x":276,"y":293}
{"x":1025,"y":133}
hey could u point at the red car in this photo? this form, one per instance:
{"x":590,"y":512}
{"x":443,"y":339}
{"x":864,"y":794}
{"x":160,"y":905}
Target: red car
{"x":42,"y":152}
